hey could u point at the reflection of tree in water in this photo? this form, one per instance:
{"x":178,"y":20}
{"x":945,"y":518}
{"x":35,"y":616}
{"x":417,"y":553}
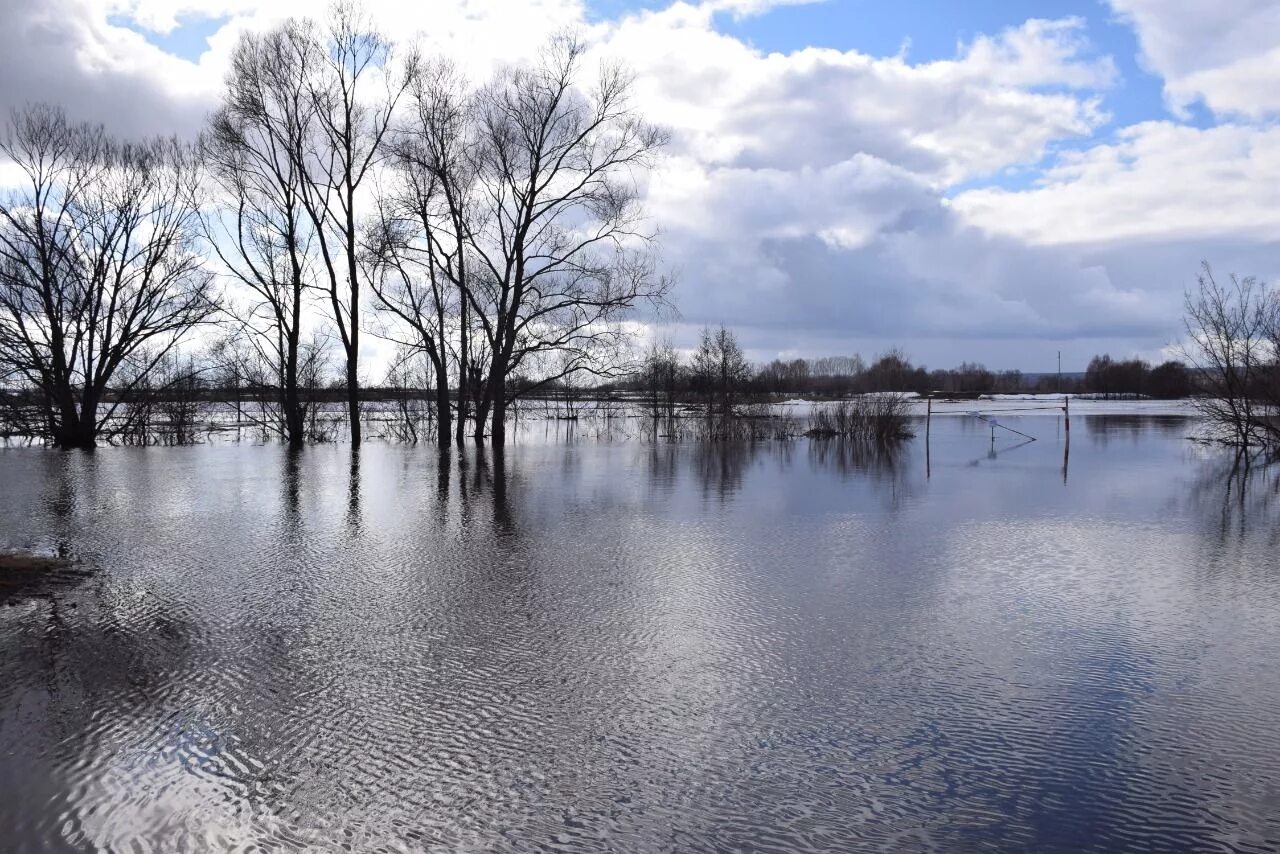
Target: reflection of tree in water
{"x":69,"y":476}
{"x":884,"y":465}
{"x":1103,"y":429}
{"x":720,"y":466}
{"x":487,"y":489}
{"x":845,"y":457}
{"x":1238,"y":497}
{"x":663,"y":461}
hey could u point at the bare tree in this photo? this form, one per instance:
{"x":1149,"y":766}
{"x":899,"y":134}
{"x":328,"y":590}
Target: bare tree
{"x":257,"y":224}
{"x":719,"y":370}
{"x":417,"y":246}
{"x":434,"y":151}
{"x":556,"y":228}
{"x":1233,"y":333}
{"x":354,"y":87}
{"x":660,"y":376}
{"x":99,"y":277}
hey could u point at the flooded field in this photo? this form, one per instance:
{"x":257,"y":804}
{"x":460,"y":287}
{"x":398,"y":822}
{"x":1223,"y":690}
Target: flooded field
{"x":585,"y":644}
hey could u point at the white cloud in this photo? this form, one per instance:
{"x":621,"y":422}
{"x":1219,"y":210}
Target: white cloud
{"x":804,"y":199}
{"x":747,"y":8}
{"x":79,"y":53}
{"x":1225,"y":53}
{"x":1160,"y":180}
{"x":1001,"y":103}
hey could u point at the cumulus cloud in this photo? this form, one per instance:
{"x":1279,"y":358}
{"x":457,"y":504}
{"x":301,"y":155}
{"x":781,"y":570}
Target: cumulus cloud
{"x":805,"y":198}
{"x":1159,"y":180}
{"x":1001,"y":102}
{"x":66,"y":52}
{"x":1225,"y":53}
{"x":867,"y":250}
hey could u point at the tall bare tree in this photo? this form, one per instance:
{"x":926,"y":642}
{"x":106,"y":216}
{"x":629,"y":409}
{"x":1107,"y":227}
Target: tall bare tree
{"x":556,"y":229}
{"x":354,"y":86}
{"x":411,"y":286}
{"x":256,"y":223}
{"x":435,"y":155}
{"x":99,"y":274}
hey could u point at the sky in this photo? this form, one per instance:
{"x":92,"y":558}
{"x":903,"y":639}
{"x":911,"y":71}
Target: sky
{"x":986,"y":181}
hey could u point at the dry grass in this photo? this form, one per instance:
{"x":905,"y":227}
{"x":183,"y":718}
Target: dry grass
{"x":24,"y":562}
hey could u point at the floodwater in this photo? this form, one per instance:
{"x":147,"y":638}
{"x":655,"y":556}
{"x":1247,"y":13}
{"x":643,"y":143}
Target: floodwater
{"x":612,"y":645}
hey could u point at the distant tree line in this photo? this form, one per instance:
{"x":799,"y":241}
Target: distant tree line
{"x":719,"y":384}
{"x":1230,"y":368}
{"x":842,"y":376}
{"x":1109,"y":377}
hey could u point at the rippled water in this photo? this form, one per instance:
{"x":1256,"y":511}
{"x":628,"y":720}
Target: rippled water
{"x":621,"y":646}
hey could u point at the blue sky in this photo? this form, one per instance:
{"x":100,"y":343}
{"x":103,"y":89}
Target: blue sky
{"x":932,"y":30}
{"x":188,"y":40}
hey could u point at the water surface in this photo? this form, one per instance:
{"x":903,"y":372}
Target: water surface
{"x":596,"y":645}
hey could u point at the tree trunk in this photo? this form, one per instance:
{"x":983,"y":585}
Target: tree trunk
{"x":294,"y":421}
{"x":78,"y":429}
{"x":73,"y":435}
{"x":498,"y":430}
{"x":494,"y":402}
{"x":353,"y":393}
{"x":483,"y":402}
{"x":464,"y":368}
{"x":443,"y":425}
{"x":482,"y":418}
{"x":295,"y":418}
{"x":353,"y":351}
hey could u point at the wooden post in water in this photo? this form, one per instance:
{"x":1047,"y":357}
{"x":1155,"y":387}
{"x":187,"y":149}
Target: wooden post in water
{"x":1066,"y":448}
{"x":928,"y":422}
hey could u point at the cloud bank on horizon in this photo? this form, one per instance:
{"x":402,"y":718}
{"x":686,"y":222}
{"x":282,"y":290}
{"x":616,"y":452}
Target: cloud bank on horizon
{"x":1042,"y":184}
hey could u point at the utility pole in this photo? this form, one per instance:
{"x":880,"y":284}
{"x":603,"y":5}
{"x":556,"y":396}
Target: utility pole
{"x":1059,"y":372}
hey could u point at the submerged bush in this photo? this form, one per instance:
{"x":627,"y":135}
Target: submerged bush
{"x":870,"y":417}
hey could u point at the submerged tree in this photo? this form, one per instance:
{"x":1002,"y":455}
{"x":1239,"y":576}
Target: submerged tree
{"x":354,"y":89}
{"x":1233,"y":330}
{"x":660,"y":376}
{"x":99,"y":274}
{"x":256,"y":223}
{"x":556,"y":229}
{"x":720,"y":370}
